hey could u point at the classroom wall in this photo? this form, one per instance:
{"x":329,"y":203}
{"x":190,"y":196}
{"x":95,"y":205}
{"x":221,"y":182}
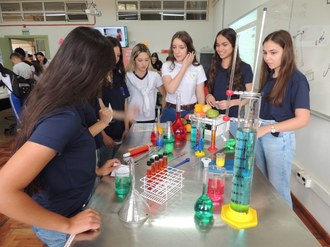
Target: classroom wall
{"x":157,"y":33}
{"x":312,"y":143}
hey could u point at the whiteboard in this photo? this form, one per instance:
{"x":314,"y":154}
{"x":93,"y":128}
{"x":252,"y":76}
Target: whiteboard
{"x":309,"y":24}
{"x":310,"y":27}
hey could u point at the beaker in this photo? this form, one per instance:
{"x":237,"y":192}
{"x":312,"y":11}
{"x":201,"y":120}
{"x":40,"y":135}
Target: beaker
{"x":123,"y":181}
{"x":248,"y":123}
{"x":135,"y":210}
{"x":216,"y":184}
{"x":220,"y":159}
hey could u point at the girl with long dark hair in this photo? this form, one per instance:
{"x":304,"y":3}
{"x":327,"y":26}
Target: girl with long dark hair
{"x":220,"y":71}
{"x":284,"y":109}
{"x":50,"y":177}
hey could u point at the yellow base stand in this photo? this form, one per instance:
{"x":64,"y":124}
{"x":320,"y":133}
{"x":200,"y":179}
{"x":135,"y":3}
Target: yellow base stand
{"x":200,"y":154}
{"x":239,"y":220}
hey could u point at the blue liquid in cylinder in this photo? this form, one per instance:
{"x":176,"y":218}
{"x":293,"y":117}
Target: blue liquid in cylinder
{"x":243,"y":169}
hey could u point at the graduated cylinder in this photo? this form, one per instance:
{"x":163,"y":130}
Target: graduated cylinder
{"x":238,"y":213}
{"x":248,"y":123}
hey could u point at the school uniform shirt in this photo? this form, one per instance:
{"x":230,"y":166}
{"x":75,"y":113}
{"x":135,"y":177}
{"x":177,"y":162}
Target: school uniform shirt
{"x":193,"y":76}
{"x":221,"y":84}
{"x":115,"y":94}
{"x":296,"y":96}
{"x":68,"y":179}
{"x":22,"y":69}
{"x":143,"y":93}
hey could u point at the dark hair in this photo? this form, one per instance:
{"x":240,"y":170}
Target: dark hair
{"x":155,"y":55}
{"x":37,"y":67}
{"x":15,"y":54}
{"x":41,"y":54}
{"x":69,"y":80}
{"x":119,"y":68}
{"x":288,"y":65}
{"x":20,"y":51}
{"x":230,"y":35}
{"x":185,"y":38}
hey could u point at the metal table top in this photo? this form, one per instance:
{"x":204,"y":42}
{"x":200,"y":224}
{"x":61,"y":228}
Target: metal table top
{"x":173,"y":222}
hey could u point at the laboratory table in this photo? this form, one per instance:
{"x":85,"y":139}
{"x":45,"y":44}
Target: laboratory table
{"x":172,"y":223}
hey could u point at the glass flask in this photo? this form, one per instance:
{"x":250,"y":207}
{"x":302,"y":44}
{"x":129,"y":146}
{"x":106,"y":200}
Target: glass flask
{"x":135,"y":210}
{"x":204,"y":206}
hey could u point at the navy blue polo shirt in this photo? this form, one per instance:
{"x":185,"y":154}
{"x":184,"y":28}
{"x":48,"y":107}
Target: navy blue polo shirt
{"x":68,"y":179}
{"x":91,"y":119}
{"x":221,"y":84}
{"x":116,"y":95}
{"x":296,"y":96}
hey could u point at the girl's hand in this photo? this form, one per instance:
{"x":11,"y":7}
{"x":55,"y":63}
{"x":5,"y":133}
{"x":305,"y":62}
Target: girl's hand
{"x":84,"y":221}
{"x":263,"y":130}
{"x":222,"y":105}
{"x":108,"y":141}
{"x":188,"y":59}
{"x":106,"y":115}
{"x":108,"y":167}
{"x":211,"y":100}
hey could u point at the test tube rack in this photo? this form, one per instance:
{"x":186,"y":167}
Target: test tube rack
{"x":163,"y":185}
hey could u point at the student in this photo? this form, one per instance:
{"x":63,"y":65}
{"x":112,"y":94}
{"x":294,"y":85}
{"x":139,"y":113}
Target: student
{"x":220,"y":72}
{"x":182,"y":74}
{"x":24,"y":70}
{"x":284,"y":109}
{"x":54,"y":157}
{"x":155,"y":62}
{"x":42,"y":60}
{"x":143,"y":83}
{"x":115,"y":93}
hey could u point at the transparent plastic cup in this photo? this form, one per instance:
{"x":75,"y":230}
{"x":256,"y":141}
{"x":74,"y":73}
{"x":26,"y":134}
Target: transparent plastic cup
{"x":123,"y":181}
{"x":216,"y":184}
{"x":220,"y":159}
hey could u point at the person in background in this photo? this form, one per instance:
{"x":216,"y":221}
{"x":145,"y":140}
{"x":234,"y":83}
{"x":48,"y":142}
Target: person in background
{"x":155,"y":62}
{"x":143,"y":83}
{"x":42,"y":59}
{"x":183,"y":74}
{"x":285,"y":107}
{"x":115,"y":93}
{"x":24,"y":70}
{"x":219,"y":76}
{"x":37,"y":69}
{"x":54,"y":148}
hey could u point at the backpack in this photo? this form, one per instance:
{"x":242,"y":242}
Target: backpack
{"x":21,"y":86}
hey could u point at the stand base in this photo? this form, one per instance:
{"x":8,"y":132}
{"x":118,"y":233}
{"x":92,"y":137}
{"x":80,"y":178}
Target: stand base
{"x":212,"y":149}
{"x":199,"y":154}
{"x":239,"y":220}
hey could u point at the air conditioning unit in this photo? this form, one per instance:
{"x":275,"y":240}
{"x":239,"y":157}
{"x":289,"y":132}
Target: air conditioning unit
{"x":93,"y":11}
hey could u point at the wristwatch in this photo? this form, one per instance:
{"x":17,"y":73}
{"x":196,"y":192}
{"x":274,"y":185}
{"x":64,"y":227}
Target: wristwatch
{"x":272,"y":129}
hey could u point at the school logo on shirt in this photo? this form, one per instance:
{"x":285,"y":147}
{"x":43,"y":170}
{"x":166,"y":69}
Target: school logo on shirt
{"x":194,"y":75}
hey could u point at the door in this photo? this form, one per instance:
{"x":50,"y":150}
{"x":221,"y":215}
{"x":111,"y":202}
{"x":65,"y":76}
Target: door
{"x":5,"y":51}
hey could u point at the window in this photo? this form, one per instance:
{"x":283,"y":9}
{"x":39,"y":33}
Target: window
{"x":158,"y":10}
{"x":43,"y":11}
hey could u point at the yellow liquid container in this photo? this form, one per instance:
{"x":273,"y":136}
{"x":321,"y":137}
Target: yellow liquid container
{"x":220,"y":159}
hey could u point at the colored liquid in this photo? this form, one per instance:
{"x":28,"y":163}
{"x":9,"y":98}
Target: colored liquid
{"x":204,"y":210}
{"x":179,"y":130}
{"x":243,"y":170}
{"x":220,"y":160}
{"x":216,"y":190}
{"x":193,"y":132}
{"x":123,"y":186}
{"x":153,"y":137}
{"x":168,"y":143}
